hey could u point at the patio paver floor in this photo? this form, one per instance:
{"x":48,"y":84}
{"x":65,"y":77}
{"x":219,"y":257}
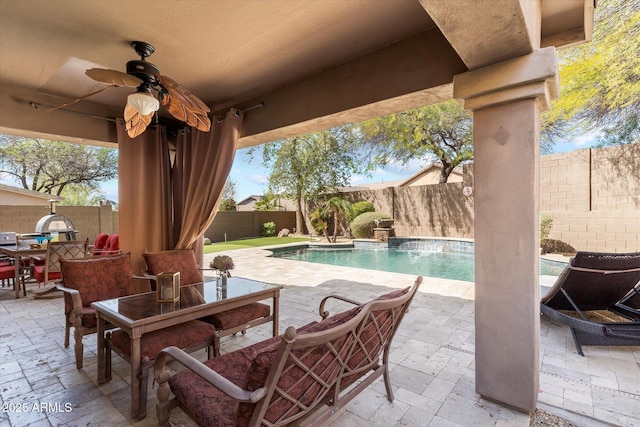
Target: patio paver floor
{"x":433,"y":361}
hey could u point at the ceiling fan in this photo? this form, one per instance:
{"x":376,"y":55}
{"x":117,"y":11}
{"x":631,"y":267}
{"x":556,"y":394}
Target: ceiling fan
{"x":153,"y":89}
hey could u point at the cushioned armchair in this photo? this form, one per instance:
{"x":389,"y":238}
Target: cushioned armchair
{"x":87,"y":280}
{"x":184,"y":260}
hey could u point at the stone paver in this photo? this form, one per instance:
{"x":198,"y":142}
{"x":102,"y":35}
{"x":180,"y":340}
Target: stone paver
{"x":432,"y":362}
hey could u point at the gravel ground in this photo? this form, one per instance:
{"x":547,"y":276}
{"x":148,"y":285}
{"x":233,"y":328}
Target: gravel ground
{"x":544,"y":419}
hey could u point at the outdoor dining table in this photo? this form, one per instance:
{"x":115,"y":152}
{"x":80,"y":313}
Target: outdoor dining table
{"x":17,"y":252}
{"x":140,"y":314}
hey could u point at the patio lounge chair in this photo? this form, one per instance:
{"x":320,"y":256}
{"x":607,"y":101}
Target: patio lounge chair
{"x":598,"y":297}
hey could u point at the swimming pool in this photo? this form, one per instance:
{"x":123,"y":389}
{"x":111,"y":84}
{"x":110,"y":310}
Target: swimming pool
{"x":445,"y":265}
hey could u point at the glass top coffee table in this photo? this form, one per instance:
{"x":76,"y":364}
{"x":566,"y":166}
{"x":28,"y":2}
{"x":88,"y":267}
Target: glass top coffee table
{"x":140,"y":314}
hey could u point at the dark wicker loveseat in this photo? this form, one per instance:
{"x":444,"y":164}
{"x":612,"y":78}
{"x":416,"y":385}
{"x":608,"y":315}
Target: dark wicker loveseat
{"x":598,"y":297}
{"x":302,"y":376}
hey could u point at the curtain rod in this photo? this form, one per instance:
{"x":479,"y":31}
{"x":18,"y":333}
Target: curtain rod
{"x":37,"y":106}
{"x":47,"y":107}
{"x":237,"y":113}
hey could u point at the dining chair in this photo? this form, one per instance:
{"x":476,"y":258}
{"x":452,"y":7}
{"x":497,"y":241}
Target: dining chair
{"x":99,"y":243}
{"x":86,"y":280}
{"x":50,"y":272}
{"x":8,"y":277}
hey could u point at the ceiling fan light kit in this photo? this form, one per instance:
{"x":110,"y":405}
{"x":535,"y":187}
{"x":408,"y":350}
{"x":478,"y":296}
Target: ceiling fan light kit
{"x":143,"y":102}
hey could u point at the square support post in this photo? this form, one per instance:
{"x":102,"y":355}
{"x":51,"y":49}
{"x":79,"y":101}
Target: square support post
{"x":506,"y":100}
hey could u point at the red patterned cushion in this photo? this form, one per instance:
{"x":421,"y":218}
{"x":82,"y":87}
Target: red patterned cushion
{"x":99,"y":243}
{"x":97,"y":278}
{"x":113,"y":243}
{"x":196,"y":395}
{"x":182,"y":335}
{"x":208,"y":405}
{"x":240,"y":315}
{"x":38,"y":273}
{"x":182,"y":260}
{"x":89,"y":317}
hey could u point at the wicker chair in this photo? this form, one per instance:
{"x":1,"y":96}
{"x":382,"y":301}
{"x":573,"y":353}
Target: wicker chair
{"x":598,"y":297}
{"x":228,"y":322}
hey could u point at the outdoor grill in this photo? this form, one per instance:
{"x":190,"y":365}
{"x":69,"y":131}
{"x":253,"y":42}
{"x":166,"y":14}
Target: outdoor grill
{"x":55,"y":223}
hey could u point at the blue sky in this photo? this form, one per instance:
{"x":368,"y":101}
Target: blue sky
{"x":251,"y":177}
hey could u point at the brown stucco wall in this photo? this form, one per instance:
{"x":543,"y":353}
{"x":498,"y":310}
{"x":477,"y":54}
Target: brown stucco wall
{"x":593,"y":196}
{"x":425,"y":210}
{"x":238,"y":225}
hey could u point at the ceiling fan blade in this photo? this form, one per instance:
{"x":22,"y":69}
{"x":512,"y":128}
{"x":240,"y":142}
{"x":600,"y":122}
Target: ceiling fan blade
{"x":135,"y":123}
{"x":183,"y":105}
{"x":182,"y":113}
{"x":113,"y":77}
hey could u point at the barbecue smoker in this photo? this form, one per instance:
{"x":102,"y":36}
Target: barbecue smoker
{"x":53,"y":224}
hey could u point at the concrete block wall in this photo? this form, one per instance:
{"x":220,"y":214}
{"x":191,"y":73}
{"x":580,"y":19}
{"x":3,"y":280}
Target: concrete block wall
{"x":593,"y":196}
{"x":89,"y":221}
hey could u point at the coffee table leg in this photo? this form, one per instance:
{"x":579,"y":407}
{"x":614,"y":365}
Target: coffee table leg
{"x":101,"y":355}
{"x":135,"y":382}
{"x":276,"y":313}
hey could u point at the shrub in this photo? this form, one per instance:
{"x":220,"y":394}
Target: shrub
{"x":359,"y":208}
{"x":362,"y":226}
{"x":268,"y":229}
{"x":207,"y":241}
{"x":551,"y":246}
{"x":546,"y":222}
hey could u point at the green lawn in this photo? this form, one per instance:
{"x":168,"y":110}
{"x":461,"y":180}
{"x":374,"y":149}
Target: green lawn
{"x":251,"y":243}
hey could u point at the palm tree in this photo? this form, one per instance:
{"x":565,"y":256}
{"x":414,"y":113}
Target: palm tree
{"x":320,"y":221}
{"x":336,"y":207}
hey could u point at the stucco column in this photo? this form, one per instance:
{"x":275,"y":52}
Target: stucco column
{"x":507,"y":99}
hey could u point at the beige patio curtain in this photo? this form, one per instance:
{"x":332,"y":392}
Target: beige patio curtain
{"x":164,"y":206}
{"x":144,"y":192}
{"x":202,"y":164}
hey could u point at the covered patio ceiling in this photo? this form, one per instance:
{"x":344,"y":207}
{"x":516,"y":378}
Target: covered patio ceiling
{"x":315,"y":64}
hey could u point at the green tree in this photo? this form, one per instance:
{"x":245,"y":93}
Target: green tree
{"x":304,"y":167}
{"x":600,"y":80}
{"x":82,"y":195}
{"x":51,"y":167}
{"x":268,"y":202}
{"x":442,"y":133}
{"x":228,"y":201}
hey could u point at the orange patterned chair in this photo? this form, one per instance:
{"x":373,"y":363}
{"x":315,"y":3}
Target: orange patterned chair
{"x":184,"y":260}
{"x":86,"y":280}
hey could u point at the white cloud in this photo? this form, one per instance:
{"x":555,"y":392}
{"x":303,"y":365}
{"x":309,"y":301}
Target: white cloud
{"x":259,"y":179}
{"x":587,"y":139}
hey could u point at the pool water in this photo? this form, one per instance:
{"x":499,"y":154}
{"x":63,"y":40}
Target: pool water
{"x":445,"y":265}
